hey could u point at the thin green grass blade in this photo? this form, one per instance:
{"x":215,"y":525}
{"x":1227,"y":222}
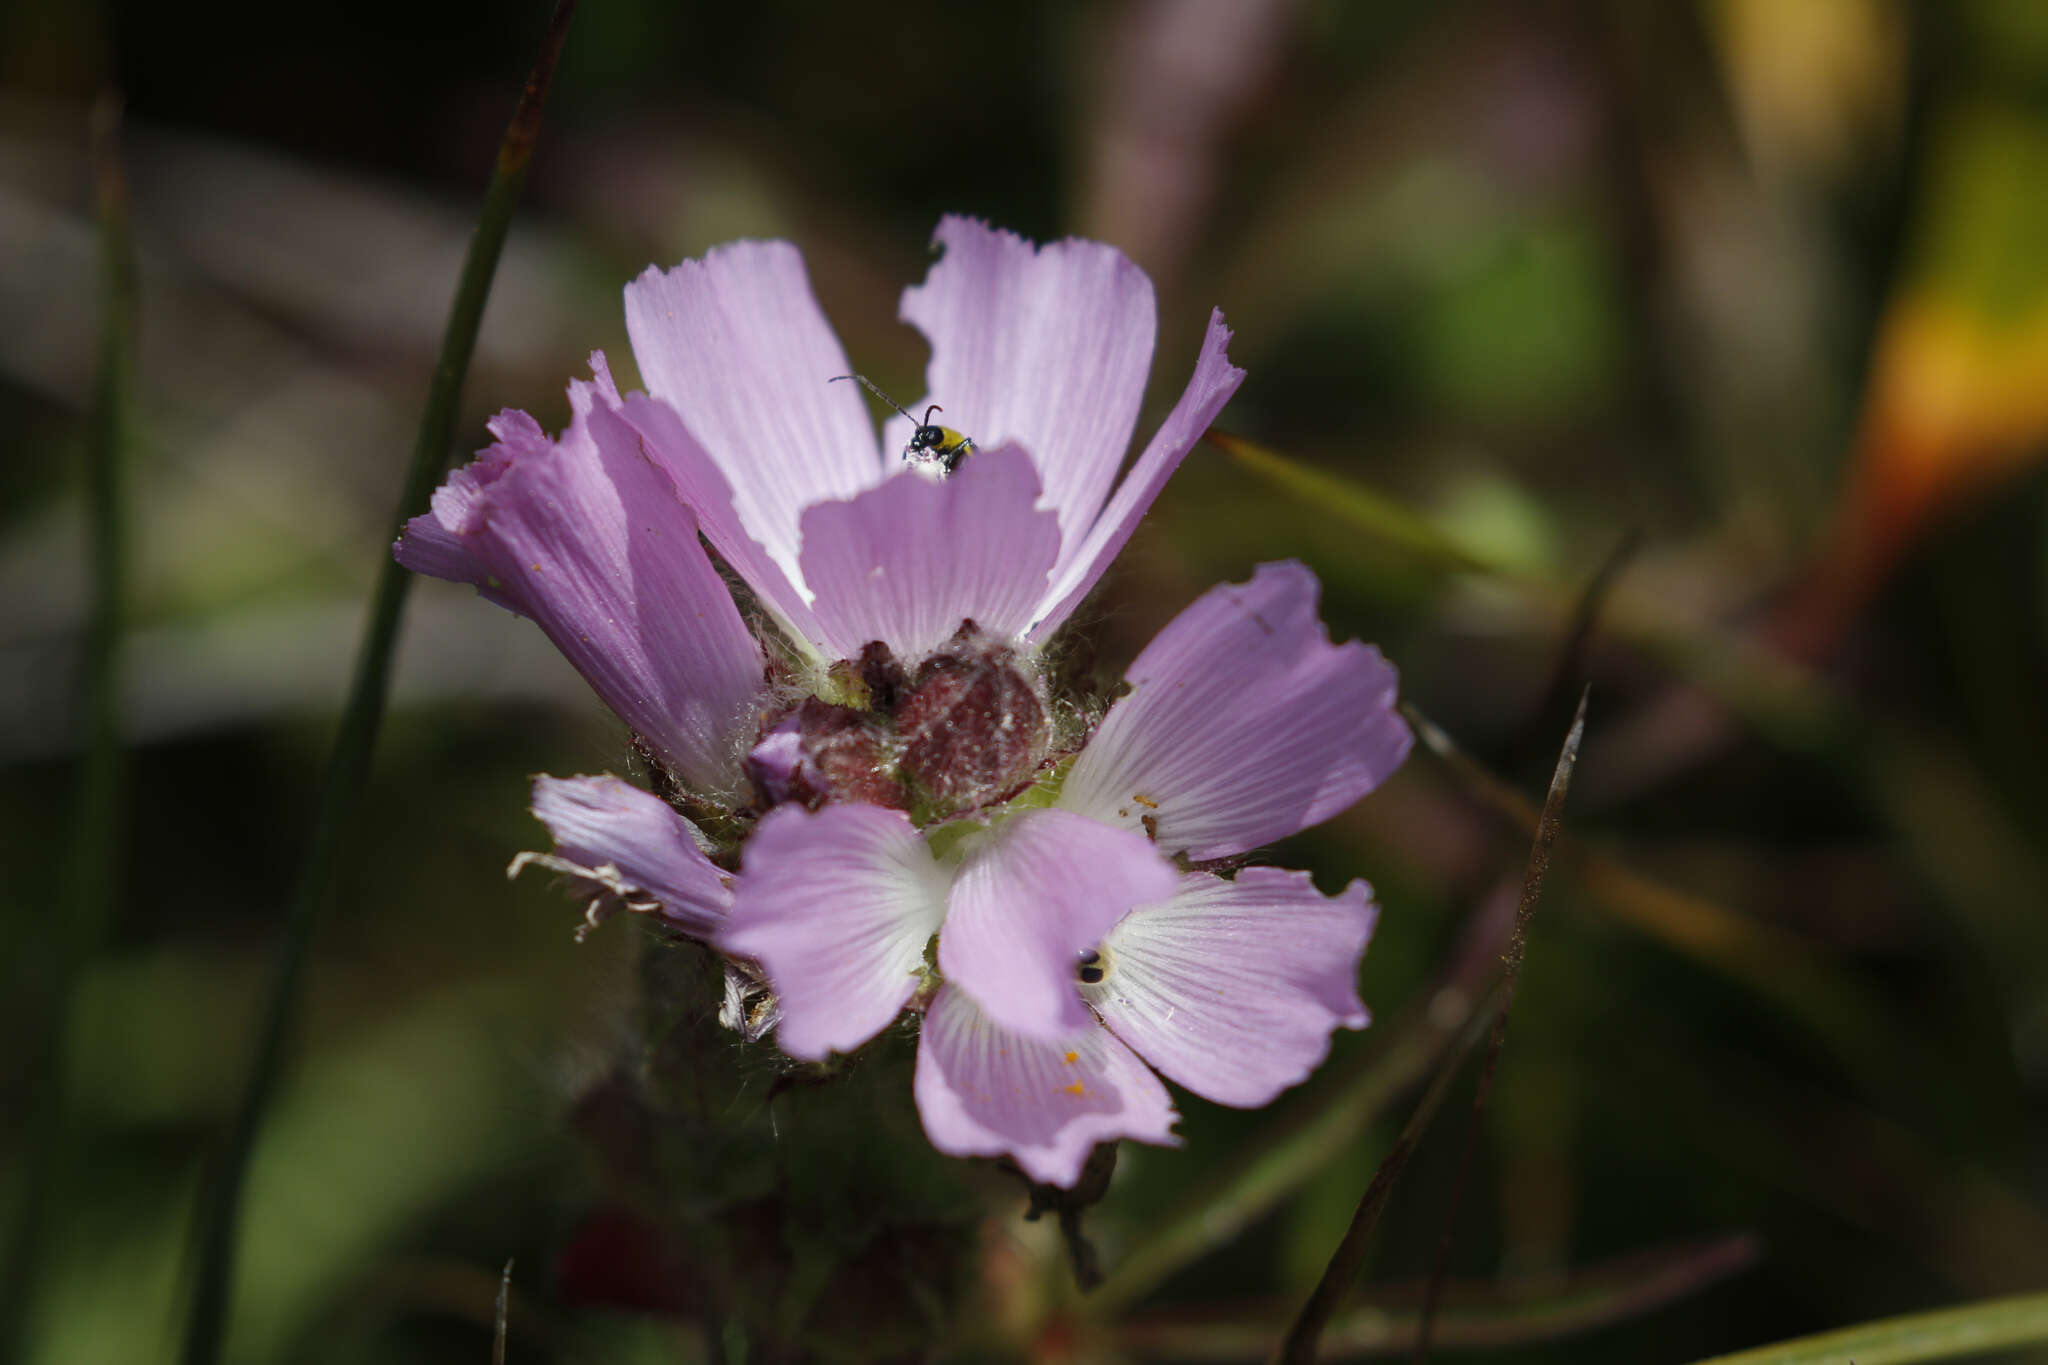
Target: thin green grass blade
{"x":97,"y":834}
{"x":1380,"y":516}
{"x":349,"y":764}
{"x":1946,"y":1334}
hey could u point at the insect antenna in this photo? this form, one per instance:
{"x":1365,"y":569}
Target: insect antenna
{"x":869,"y":385}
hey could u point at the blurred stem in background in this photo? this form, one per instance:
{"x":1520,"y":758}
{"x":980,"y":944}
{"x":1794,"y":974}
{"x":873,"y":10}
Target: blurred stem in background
{"x":349,"y":765}
{"x":98,"y":826}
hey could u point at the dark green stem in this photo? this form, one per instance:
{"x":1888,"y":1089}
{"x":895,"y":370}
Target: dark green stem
{"x":349,"y":764}
{"x":96,"y":816}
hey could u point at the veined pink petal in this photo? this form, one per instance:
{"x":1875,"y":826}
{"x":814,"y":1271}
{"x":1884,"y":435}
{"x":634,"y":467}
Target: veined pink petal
{"x":906,"y":562}
{"x":432,"y":544}
{"x":1083,"y":562}
{"x":985,"y":1091}
{"x":735,"y":343}
{"x":703,"y":485}
{"x":1047,"y":347}
{"x":837,"y":907}
{"x":1232,"y":987}
{"x":1043,"y":889}
{"x":1243,"y":725}
{"x":588,"y":538}
{"x":601,"y":822}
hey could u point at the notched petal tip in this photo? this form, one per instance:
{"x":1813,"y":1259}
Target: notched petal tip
{"x":985,"y":1091}
{"x":1244,"y":723}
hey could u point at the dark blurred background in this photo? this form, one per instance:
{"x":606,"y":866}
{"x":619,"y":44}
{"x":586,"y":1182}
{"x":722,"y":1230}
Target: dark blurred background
{"x":1745,"y":300}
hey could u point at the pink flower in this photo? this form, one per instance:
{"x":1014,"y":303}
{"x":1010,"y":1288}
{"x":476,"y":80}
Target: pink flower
{"x":1070,"y":944}
{"x":1039,"y":353}
{"x":880,"y":744}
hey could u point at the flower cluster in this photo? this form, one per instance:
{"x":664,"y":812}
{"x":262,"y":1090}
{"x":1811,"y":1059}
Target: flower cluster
{"x":872,"y":789}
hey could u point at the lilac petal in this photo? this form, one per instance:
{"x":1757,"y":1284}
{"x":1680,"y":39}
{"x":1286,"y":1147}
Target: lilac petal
{"x":1232,"y":987}
{"x":737,"y":345}
{"x":837,"y":907}
{"x":433,"y":544}
{"x":1044,"y":346}
{"x":984,"y":1091}
{"x":1045,"y":888}
{"x":906,"y":562}
{"x":588,"y":538}
{"x":703,"y":485}
{"x":634,"y":847}
{"x":1244,"y":724}
{"x":1083,"y":562}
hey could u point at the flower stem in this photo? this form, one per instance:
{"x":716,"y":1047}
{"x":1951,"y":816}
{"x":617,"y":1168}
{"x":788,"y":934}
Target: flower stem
{"x":349,"y":763}
{"x":97,"y":826}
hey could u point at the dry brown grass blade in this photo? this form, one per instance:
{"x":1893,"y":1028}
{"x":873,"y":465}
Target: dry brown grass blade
{"x":1300,"y":1345}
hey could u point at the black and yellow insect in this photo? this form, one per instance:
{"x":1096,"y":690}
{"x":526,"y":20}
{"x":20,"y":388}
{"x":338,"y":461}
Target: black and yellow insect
{"x":929,"y":444}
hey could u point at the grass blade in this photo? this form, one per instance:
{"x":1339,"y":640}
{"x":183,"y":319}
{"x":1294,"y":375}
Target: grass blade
{"x":1303,"y":1336}
{"x":97,"y":833}
{"x":1834,"y":1009}
{"x":500,"y":1312}
{"x":349,"y":764}
{"x":1378,"y":515}
{"x":1989,"y":1325}
{"x":1518,"y":950}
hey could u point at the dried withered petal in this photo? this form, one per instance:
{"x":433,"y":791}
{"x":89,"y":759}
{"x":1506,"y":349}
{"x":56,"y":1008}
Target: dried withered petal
{"x":972,"y":726}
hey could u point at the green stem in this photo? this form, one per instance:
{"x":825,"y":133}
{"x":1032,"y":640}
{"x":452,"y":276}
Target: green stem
{"x":1989,"y":1325}
{"x":97,"y":834}
{"x":349,"y":764}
